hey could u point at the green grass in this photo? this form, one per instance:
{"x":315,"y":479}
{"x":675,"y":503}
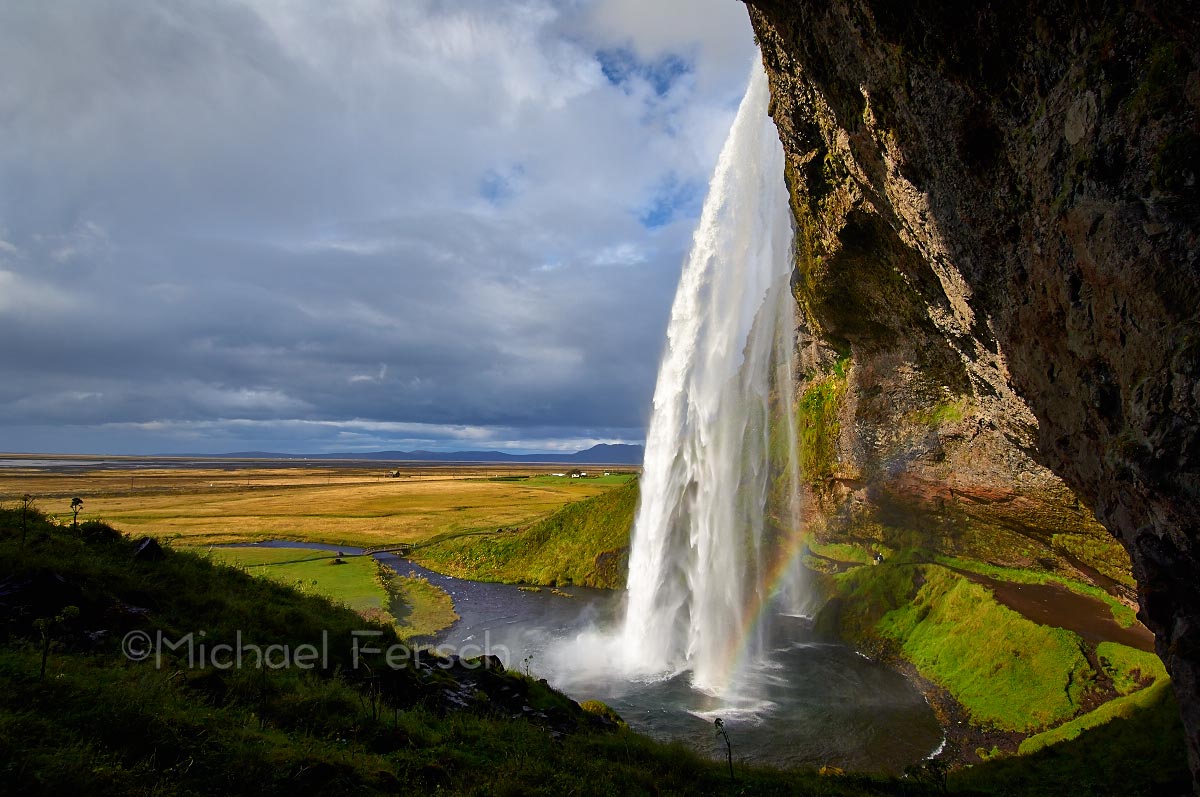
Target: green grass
{"x":1138,"y":751}
{"x":420,"y":608}
{"x":1129,"y":668}
{"x":1101,"y":551}
{"x":863,"y":596}
{"x":416,"y":607}
{"x":602,"y":709}
{"x":104,"y":730}
{"x":101,"y":724}
{"x":1124,"y":615}
{"x":354,"y":583}
{"x":584,"y":543}
{"x":1008,"y":672}
{"x":1122,"y":707}
{"x":841,"y":551}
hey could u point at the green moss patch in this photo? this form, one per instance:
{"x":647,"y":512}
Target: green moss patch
{"x":1101,"y":551}
{"x":841,"y":551}
{"x":1121,"y":707}
{"x":818,"y":425}
{"x":1007,"y":671}
{"x":602,"y":709}
{"x":1129,"y":668}
{"x":943,"y":412}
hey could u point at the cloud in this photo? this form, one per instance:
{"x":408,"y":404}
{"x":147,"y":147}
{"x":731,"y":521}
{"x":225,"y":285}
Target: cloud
{"x":462,"y":215}
{"x":714,"y":30}
{"x":375,"y":378}
{"x":23,"y":298}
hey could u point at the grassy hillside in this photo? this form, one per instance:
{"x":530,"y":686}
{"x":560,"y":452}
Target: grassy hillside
{"x":584,"y":543}
{"x":1007,"y":684}
{"x":1139,"y":753}
{"x":1009,"y":672}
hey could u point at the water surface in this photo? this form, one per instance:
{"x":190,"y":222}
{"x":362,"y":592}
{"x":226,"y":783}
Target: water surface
{"x":813,"y":703}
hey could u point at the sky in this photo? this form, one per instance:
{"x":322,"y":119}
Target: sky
{"x":306,"y":227}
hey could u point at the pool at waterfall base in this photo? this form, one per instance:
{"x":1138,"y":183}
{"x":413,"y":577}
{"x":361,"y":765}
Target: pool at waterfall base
{"x":810,"y":703}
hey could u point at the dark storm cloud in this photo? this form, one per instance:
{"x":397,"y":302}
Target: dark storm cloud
{"x":312,"y":226}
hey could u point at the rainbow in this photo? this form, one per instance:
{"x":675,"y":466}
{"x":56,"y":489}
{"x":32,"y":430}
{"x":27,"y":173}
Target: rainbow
{"x":758,"y":608}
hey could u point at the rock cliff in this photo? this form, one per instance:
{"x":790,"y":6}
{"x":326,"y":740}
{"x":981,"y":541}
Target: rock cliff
{"x":997,"y":216}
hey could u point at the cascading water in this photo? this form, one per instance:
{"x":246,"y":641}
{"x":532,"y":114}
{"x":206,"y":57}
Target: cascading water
{"x":717,"y":540}
{"x":707,"y":557}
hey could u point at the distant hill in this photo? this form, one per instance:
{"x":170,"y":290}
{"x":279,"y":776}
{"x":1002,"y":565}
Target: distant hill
{"x":605,"y":453}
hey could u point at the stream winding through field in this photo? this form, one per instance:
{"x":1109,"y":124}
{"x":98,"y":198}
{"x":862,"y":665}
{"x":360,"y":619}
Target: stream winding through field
{"x":818,"y":704}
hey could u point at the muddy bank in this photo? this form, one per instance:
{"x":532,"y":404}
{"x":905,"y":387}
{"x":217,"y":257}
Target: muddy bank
{"x":1053,"y":605}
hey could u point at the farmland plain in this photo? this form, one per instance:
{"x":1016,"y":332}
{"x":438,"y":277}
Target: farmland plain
{"x":360,"y":504}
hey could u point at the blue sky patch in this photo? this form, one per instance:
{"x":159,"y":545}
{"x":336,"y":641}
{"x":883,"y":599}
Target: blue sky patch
{"x":671,"y":200}
{"x":620,"y":66}
{"x":498,"y":186}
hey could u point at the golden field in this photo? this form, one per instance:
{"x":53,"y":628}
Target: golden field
{"x":355,"y":504}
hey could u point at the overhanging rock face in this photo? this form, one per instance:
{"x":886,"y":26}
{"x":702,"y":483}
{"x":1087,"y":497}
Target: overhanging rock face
{"x":1001,"y":202}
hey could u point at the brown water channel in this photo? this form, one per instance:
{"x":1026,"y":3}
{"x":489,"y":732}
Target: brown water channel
{"x":1054,"y":605}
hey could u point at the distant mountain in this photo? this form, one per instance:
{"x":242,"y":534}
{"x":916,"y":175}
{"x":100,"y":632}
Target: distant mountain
{"x":605,"y":454}
{"x":611,"y":453}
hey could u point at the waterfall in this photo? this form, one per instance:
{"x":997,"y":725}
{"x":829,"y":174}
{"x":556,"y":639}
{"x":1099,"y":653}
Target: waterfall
{"x":707,"y":557}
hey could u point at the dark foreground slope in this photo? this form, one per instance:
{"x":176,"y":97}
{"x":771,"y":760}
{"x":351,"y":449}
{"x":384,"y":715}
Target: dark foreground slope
{"x":998,"y":208}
